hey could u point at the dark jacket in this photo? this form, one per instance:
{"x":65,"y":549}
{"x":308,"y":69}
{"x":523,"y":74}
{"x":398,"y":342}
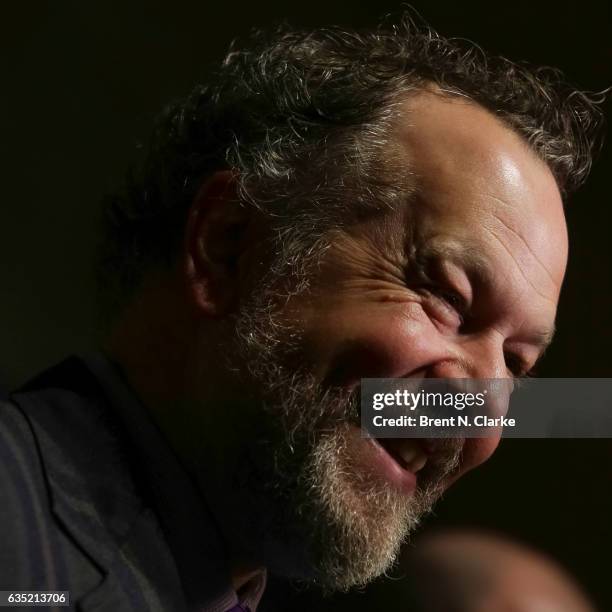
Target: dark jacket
{"x":79,"y":509}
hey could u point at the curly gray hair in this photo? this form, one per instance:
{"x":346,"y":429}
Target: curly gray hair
{"x":304,"y":117}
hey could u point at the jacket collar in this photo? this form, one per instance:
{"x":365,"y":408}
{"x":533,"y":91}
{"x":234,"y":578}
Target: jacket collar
{"x":113,"y":480}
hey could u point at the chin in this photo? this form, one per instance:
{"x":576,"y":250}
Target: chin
{"x":355,"y":525}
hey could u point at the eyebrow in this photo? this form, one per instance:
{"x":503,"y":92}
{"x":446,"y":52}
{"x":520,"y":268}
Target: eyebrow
{"x":543,"y":338}
{"x":467,"y":255}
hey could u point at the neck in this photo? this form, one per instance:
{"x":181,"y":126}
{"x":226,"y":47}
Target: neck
{"x":154,"y":342}
{"x":150,"y":340}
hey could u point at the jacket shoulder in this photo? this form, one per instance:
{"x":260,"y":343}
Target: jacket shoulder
{"x":35,"y":553}
{"x":76,"y":497}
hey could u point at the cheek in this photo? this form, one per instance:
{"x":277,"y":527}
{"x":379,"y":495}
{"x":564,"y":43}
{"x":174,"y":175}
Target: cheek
{"x":384,"y":341}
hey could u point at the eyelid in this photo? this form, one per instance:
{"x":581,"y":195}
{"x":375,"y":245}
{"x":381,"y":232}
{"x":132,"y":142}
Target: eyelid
{"x":443,"y":293}
{"x":440,"y":296}
{"x":522,"y":371}
{"x":461,"y":304}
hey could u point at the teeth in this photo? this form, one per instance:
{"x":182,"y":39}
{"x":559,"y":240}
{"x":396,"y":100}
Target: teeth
{"x":412,"y":455}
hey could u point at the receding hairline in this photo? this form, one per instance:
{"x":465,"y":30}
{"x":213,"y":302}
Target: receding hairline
{"x":407,"y":106}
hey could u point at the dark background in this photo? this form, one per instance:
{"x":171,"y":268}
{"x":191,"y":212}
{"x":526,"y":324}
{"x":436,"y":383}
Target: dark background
{"x":81,"y":83}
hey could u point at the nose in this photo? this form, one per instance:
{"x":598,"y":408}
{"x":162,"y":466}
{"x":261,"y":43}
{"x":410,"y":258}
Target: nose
{"x":487,"y":356}
{"x":479,"y":357}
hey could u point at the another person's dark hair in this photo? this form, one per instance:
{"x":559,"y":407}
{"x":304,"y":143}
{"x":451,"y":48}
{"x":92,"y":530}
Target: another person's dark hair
{"x":304,"y":119}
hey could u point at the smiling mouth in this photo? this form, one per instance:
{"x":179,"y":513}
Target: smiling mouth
{"x":408,"y":453}
{"x":394,"y":462}
{"x":405,"y":463}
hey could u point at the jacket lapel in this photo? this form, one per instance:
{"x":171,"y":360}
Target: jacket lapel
{"x":94,"y":498}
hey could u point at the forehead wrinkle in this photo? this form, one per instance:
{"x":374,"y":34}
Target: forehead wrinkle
{"x":522,"y":239}
{"x":528,"y":280}
{"x":498,"y":200}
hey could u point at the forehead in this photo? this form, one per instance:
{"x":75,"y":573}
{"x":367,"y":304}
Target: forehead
{"x":478,"y":184}
{"x":452,"y":134}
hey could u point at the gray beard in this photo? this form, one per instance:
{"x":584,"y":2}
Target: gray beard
{"x":295,"y":502}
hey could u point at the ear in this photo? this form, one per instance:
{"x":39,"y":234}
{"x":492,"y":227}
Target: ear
{"x":215,"y":242}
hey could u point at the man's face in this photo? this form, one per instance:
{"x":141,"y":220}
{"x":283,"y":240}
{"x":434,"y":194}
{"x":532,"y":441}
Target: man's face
{"x":463,"y":281}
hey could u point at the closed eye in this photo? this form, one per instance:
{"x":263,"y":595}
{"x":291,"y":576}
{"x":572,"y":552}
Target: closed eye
{"x":445,"y":306}
{"x":452,"y":299}
{"x":517,"y":367}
